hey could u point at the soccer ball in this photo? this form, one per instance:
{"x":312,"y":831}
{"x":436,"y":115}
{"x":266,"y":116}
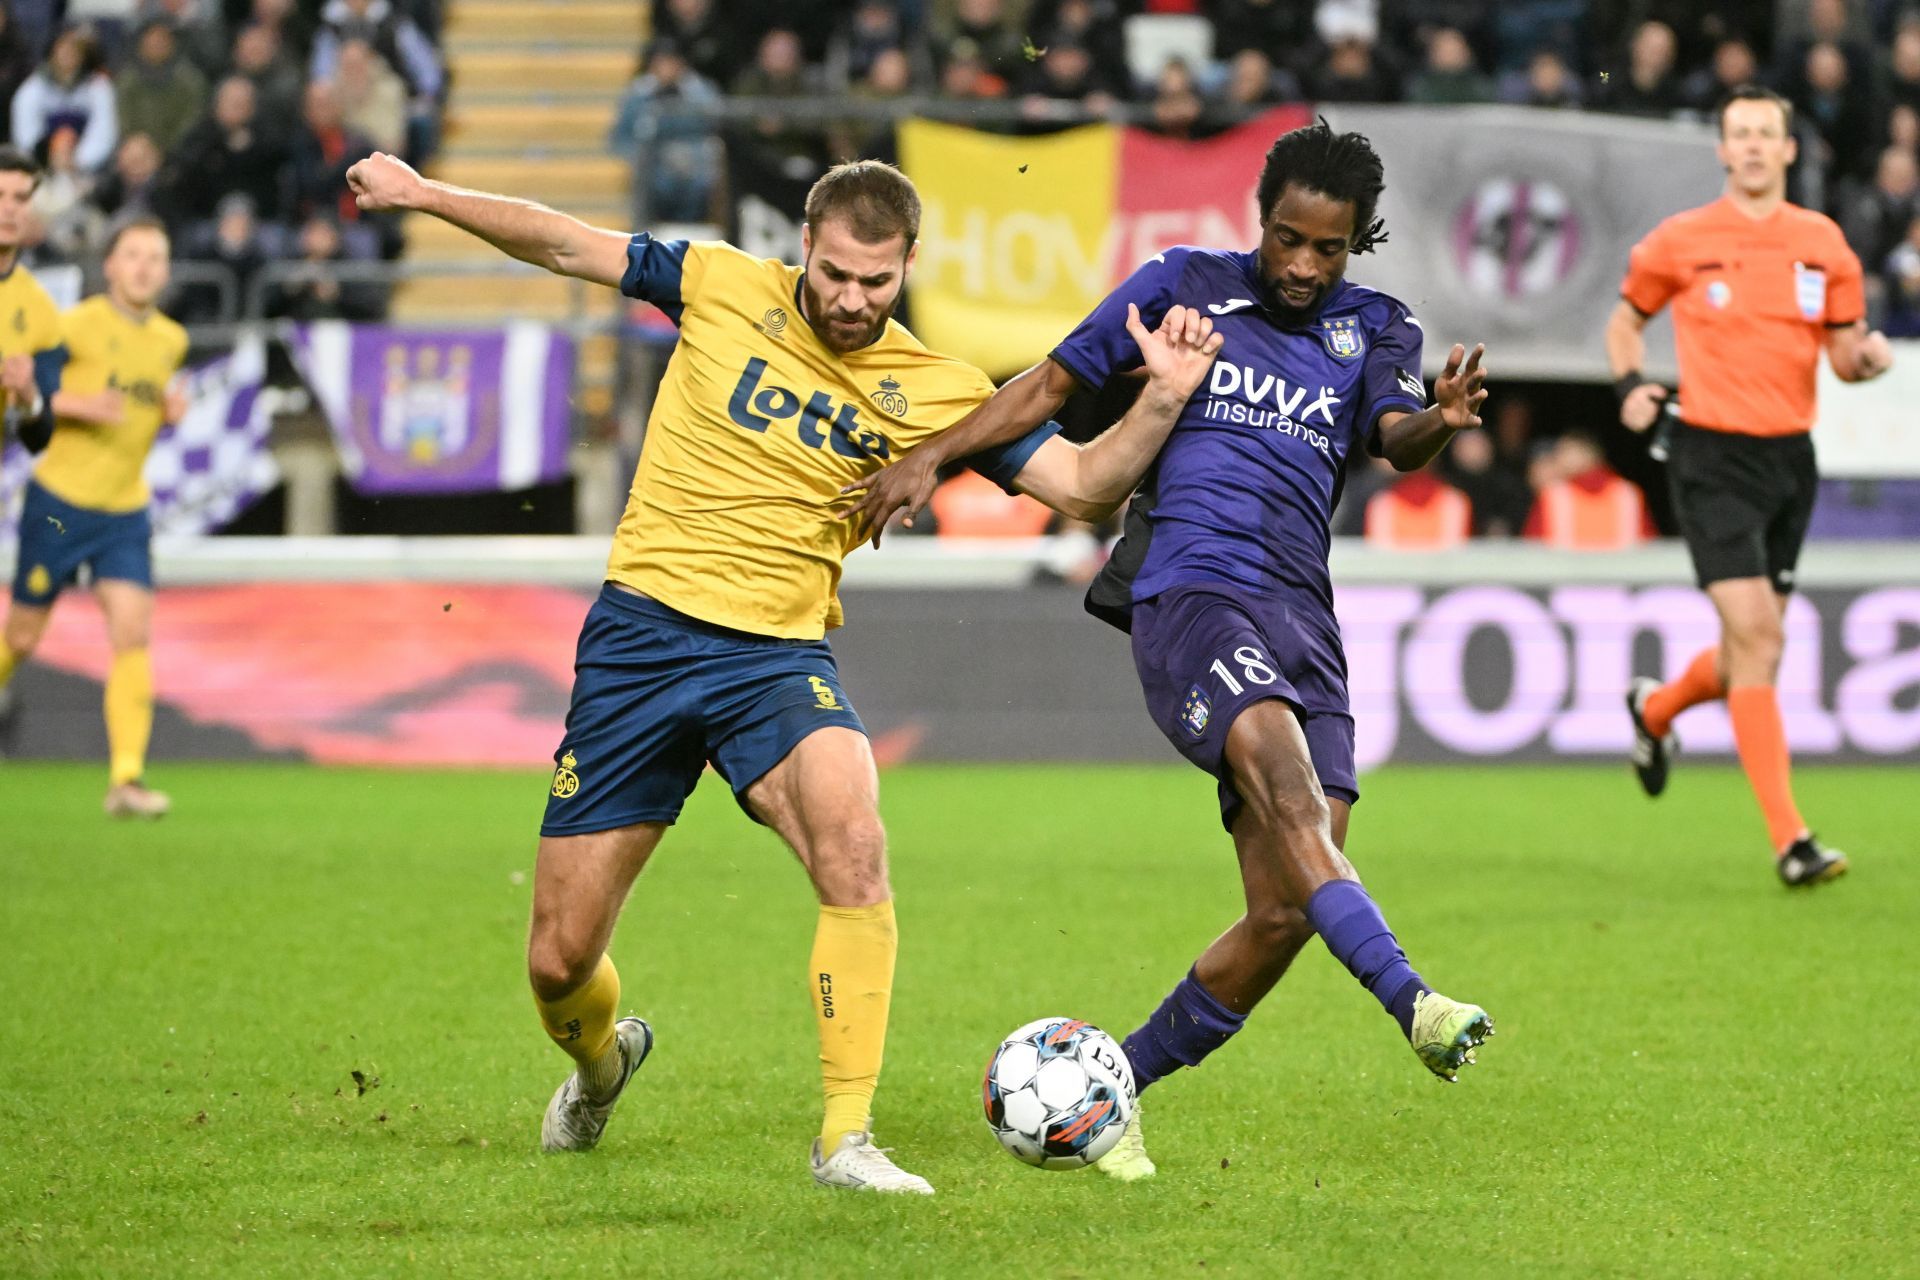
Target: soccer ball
{"x":1058,"y":1093}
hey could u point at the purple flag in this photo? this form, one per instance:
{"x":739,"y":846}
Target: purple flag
{"x":417,"y":411}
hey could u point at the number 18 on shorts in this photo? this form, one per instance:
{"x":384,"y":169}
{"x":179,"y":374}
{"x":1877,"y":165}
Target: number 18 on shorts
{"x":1205,"y":655}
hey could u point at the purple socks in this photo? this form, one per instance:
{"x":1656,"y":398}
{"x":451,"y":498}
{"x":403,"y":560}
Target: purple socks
{"x":1188,"y":1025}
{"x":1357,"y":935}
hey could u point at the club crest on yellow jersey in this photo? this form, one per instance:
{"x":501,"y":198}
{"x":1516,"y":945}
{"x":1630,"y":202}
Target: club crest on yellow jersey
{"x":565,"y":780}
{"x":889,"y":400}
{"x":822,"y":423}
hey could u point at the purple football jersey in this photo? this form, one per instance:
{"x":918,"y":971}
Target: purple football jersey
{"x":1243,"y":491}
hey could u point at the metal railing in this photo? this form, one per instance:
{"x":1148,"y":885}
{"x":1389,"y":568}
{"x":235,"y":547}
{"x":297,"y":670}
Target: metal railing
{"x":243,"y":303}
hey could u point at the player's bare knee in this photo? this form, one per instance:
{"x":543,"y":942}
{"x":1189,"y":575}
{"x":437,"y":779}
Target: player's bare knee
{"x":850,"y":864}
{"x":1278,"y":926}
{"x":127,"y":639}
{"x":1753,"y":651}
{"x":555,"y":969}
{"x":23,"y":636}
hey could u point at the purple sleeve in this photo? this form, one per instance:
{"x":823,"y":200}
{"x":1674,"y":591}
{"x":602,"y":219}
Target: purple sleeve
{"x":1100,"y":345}
{"x":1392,"y":375}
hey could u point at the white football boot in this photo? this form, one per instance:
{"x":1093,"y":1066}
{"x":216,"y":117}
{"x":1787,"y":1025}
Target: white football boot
{"x":135,"y":800}
{"x":574,"y":1122}
{"x":857,"y":1163}
{"x":1446,"y":1032}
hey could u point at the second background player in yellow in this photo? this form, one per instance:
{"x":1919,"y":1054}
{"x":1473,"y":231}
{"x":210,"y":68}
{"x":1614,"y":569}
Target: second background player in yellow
{"x":86,"y":506}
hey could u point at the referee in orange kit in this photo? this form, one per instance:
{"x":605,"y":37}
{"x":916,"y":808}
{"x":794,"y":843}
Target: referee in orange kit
{"x":1758,"y":286}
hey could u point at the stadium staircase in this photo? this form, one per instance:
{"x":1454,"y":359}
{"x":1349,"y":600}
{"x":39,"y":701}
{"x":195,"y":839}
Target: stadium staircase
{"x":535,"y":85}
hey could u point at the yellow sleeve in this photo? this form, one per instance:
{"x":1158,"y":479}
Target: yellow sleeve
{"x":70,"y":323}
{"x":48,"y":332}
{"x":669,"y":273}
{"x":954,"y":391}
{"x":701,"y":257}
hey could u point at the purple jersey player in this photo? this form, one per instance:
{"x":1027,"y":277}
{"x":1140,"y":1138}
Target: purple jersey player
{"x":1221,"y":577}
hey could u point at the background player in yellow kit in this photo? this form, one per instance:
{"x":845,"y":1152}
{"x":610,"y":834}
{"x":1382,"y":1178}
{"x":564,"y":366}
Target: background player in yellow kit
{"x":86,"y":505}
{"x":30,"y":350}
{"x":31,"y":353}
{"x":706,"y":644}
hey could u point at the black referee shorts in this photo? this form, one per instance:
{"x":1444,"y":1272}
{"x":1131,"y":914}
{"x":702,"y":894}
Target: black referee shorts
{"x":1743,"y":502}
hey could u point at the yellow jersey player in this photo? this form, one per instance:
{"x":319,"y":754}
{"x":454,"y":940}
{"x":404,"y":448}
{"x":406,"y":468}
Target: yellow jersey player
{"x":86,"y":505}
{"x":31,"y":354}
{"x":706,"y":643}
{"x":30,"y":350}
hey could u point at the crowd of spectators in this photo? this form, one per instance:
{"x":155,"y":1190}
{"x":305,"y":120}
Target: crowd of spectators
{"x":233,"y":121}
{"x":1851,"y":67}
{"x":1187,"y":68}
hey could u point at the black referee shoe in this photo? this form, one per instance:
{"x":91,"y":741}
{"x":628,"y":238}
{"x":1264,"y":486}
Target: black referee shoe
{"x":1651,"y":755}
{"x":1806,"y":863}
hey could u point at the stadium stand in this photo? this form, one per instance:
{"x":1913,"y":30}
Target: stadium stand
{"x":144,"y":107}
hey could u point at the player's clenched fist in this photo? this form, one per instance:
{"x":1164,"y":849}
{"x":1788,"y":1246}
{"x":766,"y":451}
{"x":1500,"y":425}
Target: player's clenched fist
{"x":1178,"y":354}
{"x":16,"y":377}
{"x":382,"y":181}
{"x":1641,"y":407}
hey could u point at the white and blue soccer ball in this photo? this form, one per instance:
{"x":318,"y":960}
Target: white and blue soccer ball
{"x":1058,"y":1093}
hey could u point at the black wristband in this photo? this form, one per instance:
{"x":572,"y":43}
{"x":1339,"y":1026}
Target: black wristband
{"x":1628,"y":383}
{"x":36,"y":432}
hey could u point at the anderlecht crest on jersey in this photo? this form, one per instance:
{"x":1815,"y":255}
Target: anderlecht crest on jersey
{"x":889,"y":400}
{"x":1342,"y":336}
{"x":1197,"y":710}
{"x":565,"y":780}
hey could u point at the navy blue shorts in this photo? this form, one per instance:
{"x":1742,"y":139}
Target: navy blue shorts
{"x":57,"y":538}
{"x":656,"y":695}
{"x":1207,"y":653}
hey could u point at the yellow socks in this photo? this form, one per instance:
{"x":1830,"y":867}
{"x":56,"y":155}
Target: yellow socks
{"x":129,"y":714}
{"x":581,"y":1023}
{"x":7,"y":663}
{"x":852,"y":981}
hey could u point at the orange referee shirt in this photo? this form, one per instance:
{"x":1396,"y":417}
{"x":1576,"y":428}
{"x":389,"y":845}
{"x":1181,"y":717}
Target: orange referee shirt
{"x":1752,"y":299}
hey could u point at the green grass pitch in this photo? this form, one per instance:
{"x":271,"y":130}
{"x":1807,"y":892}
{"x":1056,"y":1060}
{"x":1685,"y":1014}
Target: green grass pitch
{"x":1696,"y":1071}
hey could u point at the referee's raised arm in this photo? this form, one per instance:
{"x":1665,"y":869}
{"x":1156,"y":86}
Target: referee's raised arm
{"x":519,"y":228}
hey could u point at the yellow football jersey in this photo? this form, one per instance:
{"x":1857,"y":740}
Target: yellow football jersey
{"x":29,"y":322}
{"x":755,"y":428}
{"x":103,"y":467}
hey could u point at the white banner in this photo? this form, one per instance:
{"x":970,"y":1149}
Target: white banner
{"x":1871,"y":428}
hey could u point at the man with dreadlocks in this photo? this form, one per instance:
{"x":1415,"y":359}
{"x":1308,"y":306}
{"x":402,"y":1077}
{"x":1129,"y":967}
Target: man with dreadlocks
{"x":1221,"y":576}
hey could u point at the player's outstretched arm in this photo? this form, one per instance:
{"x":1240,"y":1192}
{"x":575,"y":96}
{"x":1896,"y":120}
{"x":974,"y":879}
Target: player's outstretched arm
{"x":1857,"y":355}
{"x":519,"y":228}
{"x":1411,"y":440}
{"x":1090,"y":482}
{"x":1009,"y":413}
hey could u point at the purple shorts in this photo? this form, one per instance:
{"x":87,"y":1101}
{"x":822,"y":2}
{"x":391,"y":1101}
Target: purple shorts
{"x":1205,"y":653}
